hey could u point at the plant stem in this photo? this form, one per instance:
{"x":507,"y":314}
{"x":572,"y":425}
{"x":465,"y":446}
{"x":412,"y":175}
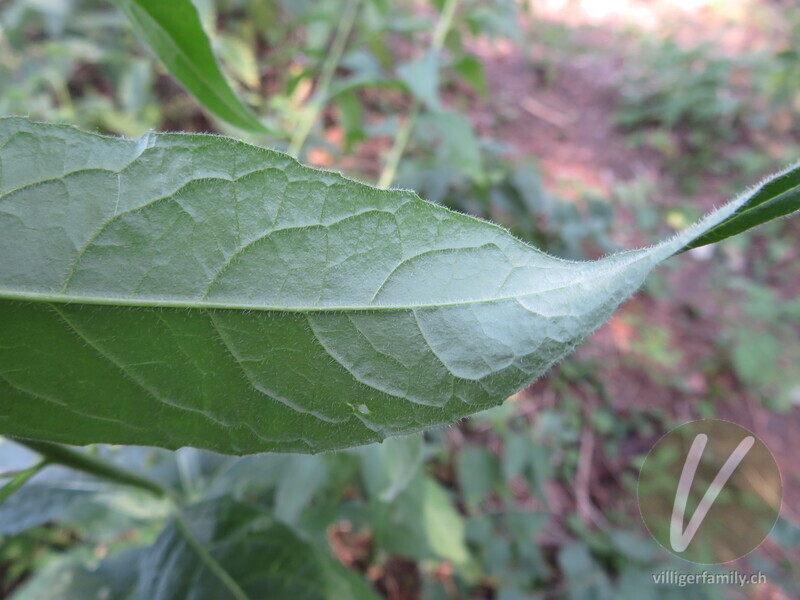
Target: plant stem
{"x":328,"y":70}
{"x":404,"y":133}
{"x":57,"y":454}
{"x":399,"y":147}
{"x":444,"y":25}
{"x":205,"y":556}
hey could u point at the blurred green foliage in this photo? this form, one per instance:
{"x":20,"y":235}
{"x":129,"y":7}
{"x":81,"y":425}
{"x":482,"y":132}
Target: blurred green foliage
{"x":683,"y":101}
{"x":488,"y":508}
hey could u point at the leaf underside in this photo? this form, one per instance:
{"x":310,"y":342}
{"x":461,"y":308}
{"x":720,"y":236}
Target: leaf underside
{"x":194,"y":290}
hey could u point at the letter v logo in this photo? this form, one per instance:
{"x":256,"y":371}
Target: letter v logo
{"x":679,"y":538}
{"x":709,"y":491}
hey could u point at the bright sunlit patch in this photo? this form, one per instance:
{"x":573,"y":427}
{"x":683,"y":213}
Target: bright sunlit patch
{"x":643,"y":13}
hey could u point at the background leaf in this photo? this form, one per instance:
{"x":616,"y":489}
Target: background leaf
{"x":266,"y":559}
{"x":36,"y":504}
{"x":173,"y":31}
{"x":66,"y":578}
{"x":421,"y":75}
{"x":392,"y":465}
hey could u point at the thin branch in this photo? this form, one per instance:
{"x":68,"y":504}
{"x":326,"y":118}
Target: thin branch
{"x":328,"y":70}
{"x":583,"y":500}
{"x":404,"y":133}
{"x":55,"y":453}
{"x":399,"y":147}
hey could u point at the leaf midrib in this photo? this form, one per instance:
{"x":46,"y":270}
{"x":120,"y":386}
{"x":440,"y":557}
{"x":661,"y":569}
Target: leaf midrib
{"x":24,"y":296}
{"x":202,"y":304}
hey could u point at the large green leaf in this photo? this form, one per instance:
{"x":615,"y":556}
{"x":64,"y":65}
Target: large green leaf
{"x":67,"y":577}
{"x":174,"y":32}
{"x":264,"y":559}
{"x":193,"y":290}
{"x":218,"y":550}
{"x":36,"y":504}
